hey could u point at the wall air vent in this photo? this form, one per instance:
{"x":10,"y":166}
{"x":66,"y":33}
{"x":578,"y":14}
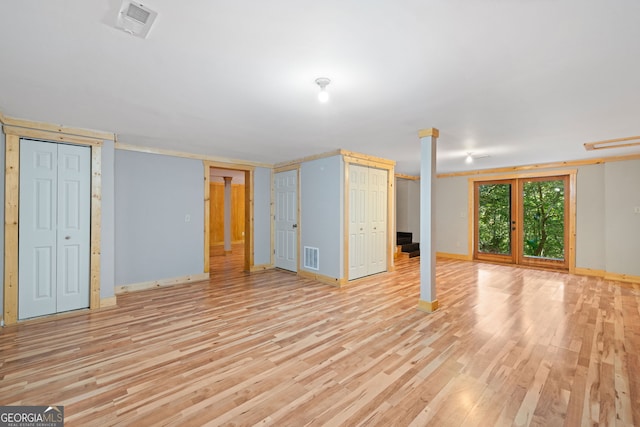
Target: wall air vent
{"x":135,"y":19}
{"x":311,"y":258}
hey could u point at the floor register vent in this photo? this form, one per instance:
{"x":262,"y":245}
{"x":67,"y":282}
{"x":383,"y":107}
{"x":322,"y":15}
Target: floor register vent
{"x":311,"y":258}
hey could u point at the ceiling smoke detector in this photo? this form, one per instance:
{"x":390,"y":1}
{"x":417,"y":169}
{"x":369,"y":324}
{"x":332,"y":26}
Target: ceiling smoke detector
{"x":135,"y":19}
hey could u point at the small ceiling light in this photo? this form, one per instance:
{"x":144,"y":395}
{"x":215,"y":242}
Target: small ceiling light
{"x":323,"y":95}
{"x":468,"y":159}
{"x":471,"y":156}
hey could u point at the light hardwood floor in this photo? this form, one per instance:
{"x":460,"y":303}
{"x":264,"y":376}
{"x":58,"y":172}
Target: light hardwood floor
{"x":509,"y":346}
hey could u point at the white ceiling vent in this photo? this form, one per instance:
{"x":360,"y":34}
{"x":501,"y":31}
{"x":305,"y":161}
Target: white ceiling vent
{"x":135,"y":18}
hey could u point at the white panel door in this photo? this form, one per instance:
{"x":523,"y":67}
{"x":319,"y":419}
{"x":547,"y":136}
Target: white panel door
{"x":367,"y":221}
{"x":377,"y":221}
{"x":37,"y":291}
{"x":74,"y":216}
{"x":286,"y":220}
{"x":358,"y":221}
{"x":53,"y":268}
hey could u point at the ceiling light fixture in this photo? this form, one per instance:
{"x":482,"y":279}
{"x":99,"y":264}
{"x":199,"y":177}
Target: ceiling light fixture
{"x":468,"y":159}
{"x":471,"y":157}
{"x":323,"y":95}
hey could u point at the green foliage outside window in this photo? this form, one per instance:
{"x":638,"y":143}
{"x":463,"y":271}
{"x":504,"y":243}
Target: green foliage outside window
{"x":544,"y":219}
{"x":543,"y":216}
{"x":494,"y":219}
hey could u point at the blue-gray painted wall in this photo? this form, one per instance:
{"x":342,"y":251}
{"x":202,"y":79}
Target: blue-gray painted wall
{"x":322,"y":213}
{"x":153,"y":196}
{"x":262,"y":216}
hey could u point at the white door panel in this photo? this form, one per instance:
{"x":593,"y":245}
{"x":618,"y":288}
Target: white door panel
{"x":53,"y":271}
{"x":286,"y":220}
{"x":74,"y":213}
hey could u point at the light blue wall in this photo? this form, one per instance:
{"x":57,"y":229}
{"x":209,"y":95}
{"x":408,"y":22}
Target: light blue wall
{"x":322,"y":213}
{"x":153,"y":194}
{"x":262,"y":216}
{"x":408,"y":207}
{"x":590,"y":218}
{"x":107,"y":232}
{"x":622,"y":225}
{"x":451,"y":215}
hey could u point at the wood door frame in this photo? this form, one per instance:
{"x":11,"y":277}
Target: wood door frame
{"x":249,"y":176}
{"x":15,"y":130}
{"x":570,"y":213}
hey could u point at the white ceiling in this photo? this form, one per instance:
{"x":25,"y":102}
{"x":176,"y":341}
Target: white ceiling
{"x":525,"y":81}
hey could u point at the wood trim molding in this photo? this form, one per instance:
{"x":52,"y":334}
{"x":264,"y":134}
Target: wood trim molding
{"x":50,"y":136}
{"x":366,"y":159}
{"x":589,"y":272}
{"x":428,"y":306}
{"x":422,"y":133}
{"x":627,"y":278}
{"x":284,"y":166}
{"x":333,"y":281}
{"x":222,"y":162}
{"x":135,"y":287}
{"x":262,"y":267}
{"x":57,"y":129}
{"x":96,"y":221}
{"x":622,"y":277}
{"x":2,"y":118}
{"x":249,"y":177}
{"x":409,"y":177}
{"x":108,"y":302}
{"x":448,"y":255}
{"x":207,"y":215}
{"x":11,"y":218}
{"x":12,"y":197}
{"x":568,"y":163}
{"x":631,"y":141}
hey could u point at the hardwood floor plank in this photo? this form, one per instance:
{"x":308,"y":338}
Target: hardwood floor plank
{"x":508,"y":346}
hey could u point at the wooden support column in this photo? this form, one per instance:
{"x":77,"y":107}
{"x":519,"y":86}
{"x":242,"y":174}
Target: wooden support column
{"x":227,"y":215}
{"x":428,"y":301}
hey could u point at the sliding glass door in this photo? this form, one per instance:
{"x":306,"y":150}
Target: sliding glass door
{"x":523,"y":221}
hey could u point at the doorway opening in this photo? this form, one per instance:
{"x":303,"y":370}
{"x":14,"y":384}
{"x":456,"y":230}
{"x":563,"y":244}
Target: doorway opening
{"x":228,"y":213}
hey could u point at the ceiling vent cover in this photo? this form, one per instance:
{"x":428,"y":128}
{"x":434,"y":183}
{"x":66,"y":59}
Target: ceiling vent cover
{"x":135,"y":19}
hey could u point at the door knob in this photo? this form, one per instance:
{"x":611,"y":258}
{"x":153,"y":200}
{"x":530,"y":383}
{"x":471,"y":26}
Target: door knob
{"x":295,"y":225}
{"x":67,"y":237}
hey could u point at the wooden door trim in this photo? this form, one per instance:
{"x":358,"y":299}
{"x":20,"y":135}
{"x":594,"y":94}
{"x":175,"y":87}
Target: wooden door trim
{"x":11,"y":227}
{"x":249,"y":176}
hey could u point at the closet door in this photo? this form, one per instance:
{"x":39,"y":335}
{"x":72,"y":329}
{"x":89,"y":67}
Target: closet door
{"x":367,"y":221}
{"x":358,"y":221}
{"x":377,"y":221}
{"x":54,"y":253}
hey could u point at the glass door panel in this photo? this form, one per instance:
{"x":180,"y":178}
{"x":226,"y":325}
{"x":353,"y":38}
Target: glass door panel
{"x":544,"y":239}
{"x":494,"y":221}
